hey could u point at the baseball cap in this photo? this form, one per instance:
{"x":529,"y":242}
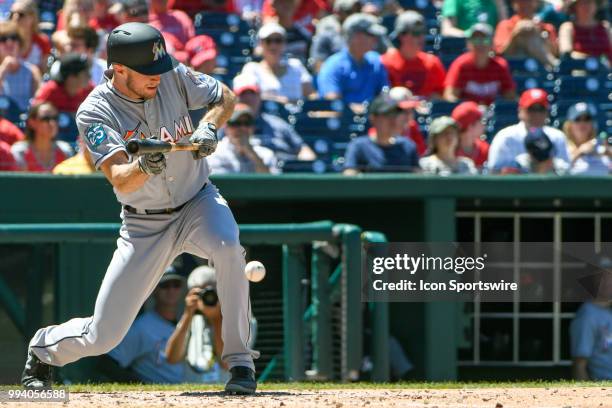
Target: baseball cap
{"x":201,"y":276}
{"x":241,"y":110}
{"x":440,"y":124}
{"x":171,"y":274}
{"x":70,"y":64}
{"x":345,"y":5}
{"x":363,"y":23}
{"x":201,"y":48}
{"x":271,"y":28}
{"x":404,"y":96}
{"x":534,"y":96}
{"x":482,"y":28}
{"x":385,"y":103}
{"x":580,"y":109}
{"x":245,"y":82}
{"x":466,"y":113}
{"x":134,"y":7}
{"x":538,"y":144}
{"x":408,"y":21}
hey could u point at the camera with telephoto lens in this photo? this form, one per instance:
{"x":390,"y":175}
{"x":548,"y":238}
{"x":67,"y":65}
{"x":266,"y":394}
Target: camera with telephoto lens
{"x":209,"y":296}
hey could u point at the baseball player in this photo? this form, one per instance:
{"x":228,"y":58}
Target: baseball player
{"x":168,"y":204}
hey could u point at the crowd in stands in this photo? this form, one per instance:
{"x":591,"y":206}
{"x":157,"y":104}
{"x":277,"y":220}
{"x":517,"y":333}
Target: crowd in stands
{"x":438,"y":87}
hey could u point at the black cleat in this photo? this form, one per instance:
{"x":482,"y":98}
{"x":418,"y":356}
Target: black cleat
{"x":242,"y":381}
{"x":36,"y":374}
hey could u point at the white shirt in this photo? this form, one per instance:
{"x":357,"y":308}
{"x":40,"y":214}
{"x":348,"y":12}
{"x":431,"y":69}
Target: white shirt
{"x":289,"y":85}
{"x":509,"y":143}
{"x":98,"y":66}
{"x":226,"y":160}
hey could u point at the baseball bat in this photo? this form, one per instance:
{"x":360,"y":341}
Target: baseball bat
{"x":144,"y":146}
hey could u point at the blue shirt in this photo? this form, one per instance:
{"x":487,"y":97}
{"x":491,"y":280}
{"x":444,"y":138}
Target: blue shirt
{"x":355,"y":82}
{"x":143,"y":350}
{"x":366,"y":155}
{"x":591,"y":338}
{"x":278,"y":135}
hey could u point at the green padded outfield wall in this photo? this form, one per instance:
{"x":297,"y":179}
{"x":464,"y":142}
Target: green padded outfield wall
{"x":404,"y":207}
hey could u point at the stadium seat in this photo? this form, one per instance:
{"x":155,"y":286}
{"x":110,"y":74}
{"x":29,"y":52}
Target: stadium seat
{"x":10,"y":110}
{"x":425,"y":7}
{"x":277,"y":109}
{"x":596,"y":88}
{"x":298,"y":166}
{"x":220,"y":21}
{"x":231,"y":44}
{"x":321,"y":105}
{"x":569,"y":66}
{"x":68,"y":130}
{"x":526,"y":66}
{"x":441,"y":108}
{"x":450,"y":46}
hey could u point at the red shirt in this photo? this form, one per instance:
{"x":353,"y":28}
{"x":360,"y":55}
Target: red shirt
{"x":592,"y":41}
{"x":479,"y":154}
{"x":414,"y":134}
{"x":481,"y":85}
{"x":304,"y":13}
{"x":7,"y":162}
{"x":423,"y":75}
{"x":503,"y":33}
{"x":193,"y":7}
{"x":9,"y":133}
{"x":55,"y":93}
{"x":175,"y":22}
{"x":32,"y":164}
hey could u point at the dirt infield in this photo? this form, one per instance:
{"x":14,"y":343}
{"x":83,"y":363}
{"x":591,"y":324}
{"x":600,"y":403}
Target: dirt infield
{"x":561,"y":397}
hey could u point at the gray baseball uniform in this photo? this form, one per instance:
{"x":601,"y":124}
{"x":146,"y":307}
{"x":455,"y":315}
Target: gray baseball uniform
{"x":148,"y":243}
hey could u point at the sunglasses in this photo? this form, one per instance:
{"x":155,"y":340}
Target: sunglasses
{"x":480,"y":41}
{"x":48,"y":118}
{"x":174,"y":284}
{"x":537,"y":109}
{"x":19,"y":14}
{"x":5,"y":38}
{"x":273,"y":40}
{"x":241,"y":123}
{"x":584,"y":118}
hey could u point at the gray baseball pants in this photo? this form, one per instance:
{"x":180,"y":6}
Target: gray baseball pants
{"x":147,"y":244}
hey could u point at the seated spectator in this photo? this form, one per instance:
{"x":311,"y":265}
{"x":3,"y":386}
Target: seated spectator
{"x":101,"y":19}
{"x":538,"y":157}
{"x":271,"y":131}
{"x":192,"y":7}
{"x":74,"y":13}
{"x":411,"y":128}
{"x":7,"y":161}
{"x":80,"y":163}
{"x":279,"y":78}
{"x":142,"y":350}
{"x":41,"y":152}
{"x":459,"y":16}
{"x":36,"y":47}
{"x":175,"y":22}
{"x":441,"y":158}
{"x":328,"y":38}
{"x":202,"y":54}
{"x":196,"y":340}
{"x":9,"y":133}
{"x":590,"y":331}
{"x":510,"y":142}
{"x":408,"y":65}
{"x":468,"y":116}
{"x":476,"y":75}
{"x":70,"y":84}
{"x":236,"y":152}
{"x":386,"y":150}
{"x":585,"y":36}
{"x":523,"y":35}
{"x":84,"y":40}
{"x":131,"y":11}
{"x":355,"y":75}
{"x":589,"y":154}
{"x":19,"y":79}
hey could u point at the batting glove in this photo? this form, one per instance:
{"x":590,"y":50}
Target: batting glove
{"x":152,"y":164}
{"x":206,"y":136}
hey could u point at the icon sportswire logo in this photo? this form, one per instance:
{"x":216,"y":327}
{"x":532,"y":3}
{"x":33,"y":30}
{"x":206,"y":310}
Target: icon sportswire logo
{"x":158,"y":50}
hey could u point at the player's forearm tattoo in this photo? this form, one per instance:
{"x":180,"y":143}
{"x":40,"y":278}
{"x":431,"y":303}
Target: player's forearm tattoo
{"x":220,"y":112}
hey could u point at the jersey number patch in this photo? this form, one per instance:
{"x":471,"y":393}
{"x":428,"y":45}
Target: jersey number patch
{"x":96,"y":134}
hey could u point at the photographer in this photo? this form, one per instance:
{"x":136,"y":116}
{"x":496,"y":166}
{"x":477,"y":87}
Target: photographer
{"x":197,"y":337}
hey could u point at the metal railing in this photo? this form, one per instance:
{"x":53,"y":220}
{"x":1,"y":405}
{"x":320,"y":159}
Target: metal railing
{"x":328,"y":284}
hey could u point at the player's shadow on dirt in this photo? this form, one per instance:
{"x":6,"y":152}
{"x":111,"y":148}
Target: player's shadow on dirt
{"x":226,"y":395}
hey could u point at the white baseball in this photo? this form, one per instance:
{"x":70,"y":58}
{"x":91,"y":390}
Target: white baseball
{"x":255,"y":271}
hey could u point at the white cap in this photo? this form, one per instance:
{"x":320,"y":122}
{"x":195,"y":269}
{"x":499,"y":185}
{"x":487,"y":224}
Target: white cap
{"x":271,"y":28}
{"x":201,"y":276}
